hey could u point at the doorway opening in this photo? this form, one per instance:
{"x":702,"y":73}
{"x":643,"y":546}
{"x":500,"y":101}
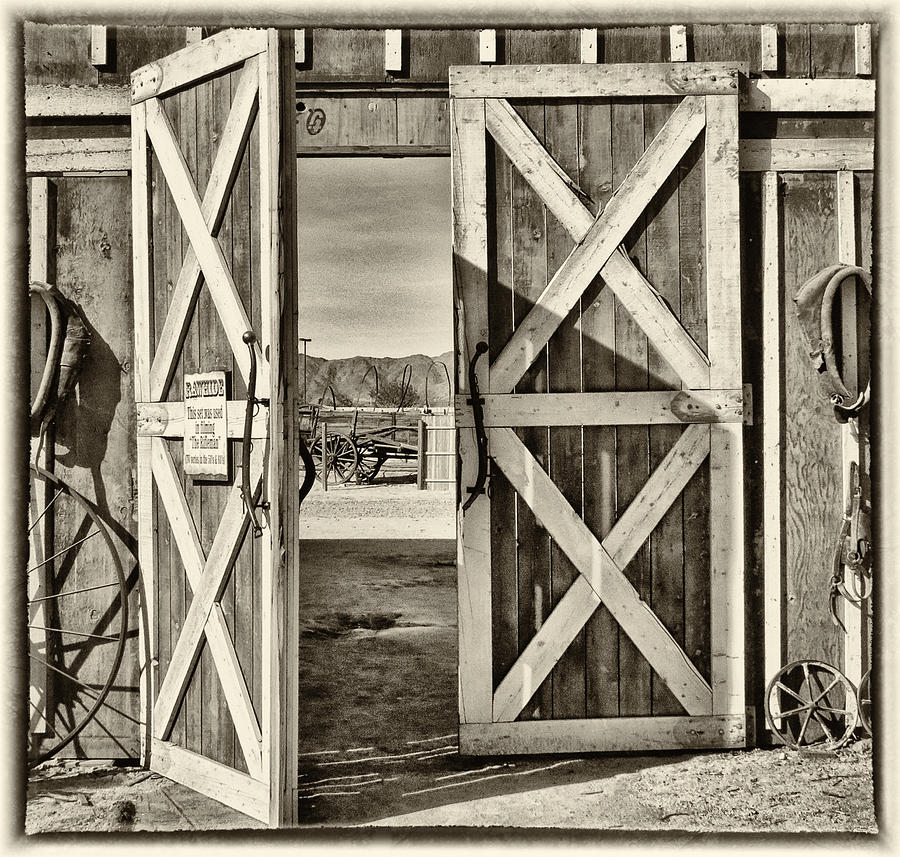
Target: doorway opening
{"x":378,"y":636}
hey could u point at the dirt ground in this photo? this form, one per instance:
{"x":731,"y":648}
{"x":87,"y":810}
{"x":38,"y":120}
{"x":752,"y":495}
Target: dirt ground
{"x":378,"y":721}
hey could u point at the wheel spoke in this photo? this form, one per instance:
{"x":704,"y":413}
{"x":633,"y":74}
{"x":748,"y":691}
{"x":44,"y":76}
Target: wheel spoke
{"x":74,"y":633}
{"x":825,"y":692}
{"x":823,"y":722}
{"x":64,"y":550}
{"x":786,"y":689}
{"x":73,"y":592}
{"x":803,"y":728}
{"x":86,"y":688}
{"x":793,"y":711}
{"x":34,"y":523}
{"x":44,"y":718}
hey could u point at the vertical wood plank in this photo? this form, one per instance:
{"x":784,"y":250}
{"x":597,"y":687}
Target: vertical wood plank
{"x":773,"y":459}
{"x":469,"y":200}
{"x":564,"y":442}
{"x":247,"y":566}
{"x":723,"y":284}
{"x":845,"y":199}
{"x":284,"y":382}
{"x":504,"y":588}
{"x":632,"y":442}
{"x":589,"y":45}
{"x":193,"y":34}
{"x":280,"y":589}
{"x":143,"y":333}
{"x":98,"y":45}
{"x":666,"y":541}
{"x":393,"y":54}
{"x":863,"y":45}
{"x":768,"y":34}
{"x":598,"y":338}
{"x":796,"y":50}
{"x":40,"y":264}
{"x":692,"y":217}
{"x":678,"y":43}
{"x":487,"y":46}
{"x":529,"y":278}
{"x":299,"y":47}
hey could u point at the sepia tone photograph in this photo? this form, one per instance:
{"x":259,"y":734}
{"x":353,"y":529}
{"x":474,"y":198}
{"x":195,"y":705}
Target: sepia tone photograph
{"x":445,"y":425}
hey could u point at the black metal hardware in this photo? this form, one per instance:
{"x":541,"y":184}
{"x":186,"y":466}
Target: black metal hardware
{"x":477,"y":402}
{"x":250,"y":499}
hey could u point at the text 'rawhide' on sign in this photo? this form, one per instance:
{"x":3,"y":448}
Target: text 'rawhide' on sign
{"x":206,"y":428}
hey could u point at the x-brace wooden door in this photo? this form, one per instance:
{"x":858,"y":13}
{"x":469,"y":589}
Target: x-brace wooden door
{"x":596,"y":255}
{"x":213,"y":220}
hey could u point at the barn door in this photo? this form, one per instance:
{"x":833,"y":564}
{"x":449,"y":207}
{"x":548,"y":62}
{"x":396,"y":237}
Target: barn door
{"x":596,"y":255}
{"x":213,"y":191}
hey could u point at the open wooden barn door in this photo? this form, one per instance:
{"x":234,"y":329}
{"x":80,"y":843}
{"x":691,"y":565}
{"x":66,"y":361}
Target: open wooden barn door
{"x":214,"y":259}
{"x":596,"y":266}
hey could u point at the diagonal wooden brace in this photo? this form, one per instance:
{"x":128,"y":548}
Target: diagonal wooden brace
{"x":225,"y":548}
{"x":215,"y":201}
{"x":598,"y":240}
{"x":237,"y":695}
{"x":600,"y":572}
{"x":222,"y":288}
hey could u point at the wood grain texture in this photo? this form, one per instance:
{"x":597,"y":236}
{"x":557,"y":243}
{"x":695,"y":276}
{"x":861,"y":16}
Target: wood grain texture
{"x":564,"y":375}
{"x":504,"y":580}
{"x":812,"y":438}
{"x":529,"y":278}
{"x":666,"y":541}
{"x":469,"y":199}
{"x":612,"y":734}
{"x":95,"y":437}
{"x":632,"y":442}
{"x":598,"y":347}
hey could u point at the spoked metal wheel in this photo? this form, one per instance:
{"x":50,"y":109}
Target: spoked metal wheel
{"x":864,"y":701}
{"x":369,"y":464}
{"x":342,"y":458}
{"x":811,"y":704}
{"x":77,"y":614}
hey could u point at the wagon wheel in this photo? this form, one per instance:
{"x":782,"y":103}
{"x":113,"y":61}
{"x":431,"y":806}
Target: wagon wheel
{"x":810,"y":703}
{"x":864,"y":701}
{"x":370,"y":461}
{"x":342,"y":458}
{"x":77,"y":614}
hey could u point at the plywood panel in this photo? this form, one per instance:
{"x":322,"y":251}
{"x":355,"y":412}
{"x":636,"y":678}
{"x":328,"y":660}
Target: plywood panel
{"x":94,"y":441}
{"x":812,"y":437}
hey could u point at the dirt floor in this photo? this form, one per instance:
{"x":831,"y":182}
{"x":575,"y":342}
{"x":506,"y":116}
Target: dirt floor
{"x":378,"y":721}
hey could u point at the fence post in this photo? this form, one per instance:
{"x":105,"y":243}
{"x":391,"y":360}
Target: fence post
{"x":324,"y":456}
{"x":421,"y":474}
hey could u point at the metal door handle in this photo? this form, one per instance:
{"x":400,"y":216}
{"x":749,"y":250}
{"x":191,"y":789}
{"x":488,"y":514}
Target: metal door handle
{"x":248,"y":497}
{"x":477,"y":403}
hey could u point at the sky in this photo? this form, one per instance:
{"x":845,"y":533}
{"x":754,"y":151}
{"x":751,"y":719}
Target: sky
{"x":374,"y":256}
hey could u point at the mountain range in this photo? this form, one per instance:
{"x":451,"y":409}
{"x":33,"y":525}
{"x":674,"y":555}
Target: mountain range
{"x":353,"y":380}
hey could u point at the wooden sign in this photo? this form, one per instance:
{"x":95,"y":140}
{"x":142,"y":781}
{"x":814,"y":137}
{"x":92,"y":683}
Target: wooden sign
{"x":206,"y":426}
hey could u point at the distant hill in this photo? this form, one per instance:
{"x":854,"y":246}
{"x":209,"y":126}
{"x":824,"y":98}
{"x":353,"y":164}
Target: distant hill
{"x":353,"y":386}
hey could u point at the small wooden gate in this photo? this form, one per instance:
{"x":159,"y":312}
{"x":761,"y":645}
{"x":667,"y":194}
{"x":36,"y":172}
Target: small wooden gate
{"x":213,"y":197}
{"x":537,"y":562}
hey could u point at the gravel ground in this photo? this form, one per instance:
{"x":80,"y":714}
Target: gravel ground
{"x":378,"y":723}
